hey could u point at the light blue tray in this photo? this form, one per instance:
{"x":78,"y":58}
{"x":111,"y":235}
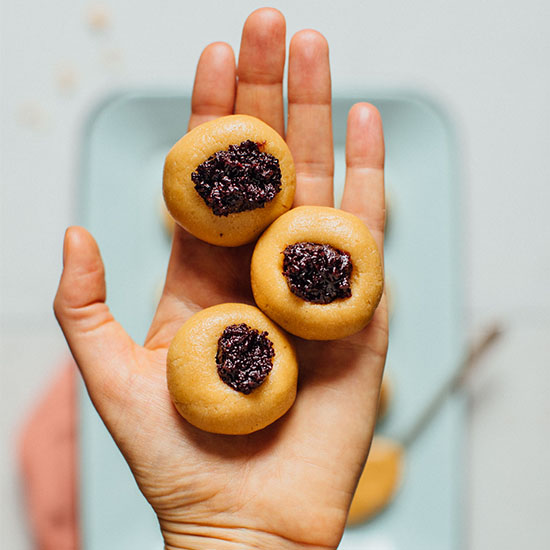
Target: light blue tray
{"x":124,"y":148}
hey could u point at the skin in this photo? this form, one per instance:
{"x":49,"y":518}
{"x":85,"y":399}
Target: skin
{"x":289,"y":485}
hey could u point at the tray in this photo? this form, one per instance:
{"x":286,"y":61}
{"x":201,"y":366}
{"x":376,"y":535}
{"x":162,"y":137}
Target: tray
{"x":124,"y":147}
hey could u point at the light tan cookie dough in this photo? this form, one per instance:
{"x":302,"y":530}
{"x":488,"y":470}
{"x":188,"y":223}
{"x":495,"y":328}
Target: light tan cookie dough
{"x":189,"y":208}
{"x":379,"y":481}
{"x":199,"y":393}
{"x":324,"y":226}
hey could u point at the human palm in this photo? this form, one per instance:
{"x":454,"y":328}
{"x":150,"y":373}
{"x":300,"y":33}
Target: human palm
{"x":290,"y":484}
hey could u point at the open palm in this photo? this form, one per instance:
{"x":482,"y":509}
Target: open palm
{"x":289,"y":485}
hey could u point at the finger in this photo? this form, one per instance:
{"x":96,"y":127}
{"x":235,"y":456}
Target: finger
{"x":214,"y":88}
{"x":364,"y":189}
{"x":310,"y":118}
{"x":213,"y":92}
{"x":100,"y":346}
{"x":213,"y":96}
{"x":261,"y":67}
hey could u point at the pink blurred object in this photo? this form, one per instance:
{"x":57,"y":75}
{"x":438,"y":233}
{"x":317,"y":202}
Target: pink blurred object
{"x":48,"y":459}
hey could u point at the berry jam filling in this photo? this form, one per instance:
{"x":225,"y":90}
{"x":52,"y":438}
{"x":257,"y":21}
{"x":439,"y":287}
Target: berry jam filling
{"x":317,"y":273}
{"x":244,"y":358}
{"x":241,"y":178}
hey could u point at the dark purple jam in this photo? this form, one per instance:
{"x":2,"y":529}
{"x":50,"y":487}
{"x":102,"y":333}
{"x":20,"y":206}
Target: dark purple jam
{"x":239,"y":179}
{"x":317,"y":273}
{"x":244,"y":358}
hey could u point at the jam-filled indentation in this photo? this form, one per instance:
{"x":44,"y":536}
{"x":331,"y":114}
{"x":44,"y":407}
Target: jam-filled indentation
{"x":244,"y":357}
{"x":238,"y":179}
{"x":317,"y":273}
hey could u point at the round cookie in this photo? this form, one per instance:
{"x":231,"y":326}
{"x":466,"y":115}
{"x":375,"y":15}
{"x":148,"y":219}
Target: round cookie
{"x":379,"y":481}
{"x":222,"y":182}
{"x":317,"y":272}
{"x":209,"y":347}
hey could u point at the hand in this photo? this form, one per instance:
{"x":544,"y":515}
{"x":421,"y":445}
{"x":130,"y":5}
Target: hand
{"x":289,"y":485}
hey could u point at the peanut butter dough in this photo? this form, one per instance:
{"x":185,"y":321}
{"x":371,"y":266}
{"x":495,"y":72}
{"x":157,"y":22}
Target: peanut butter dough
{"x":219,"y":405}
{"x":217,"y":195}
{"x":349,"y":237}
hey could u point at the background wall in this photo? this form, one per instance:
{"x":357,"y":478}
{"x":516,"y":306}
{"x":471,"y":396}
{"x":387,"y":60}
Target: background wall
{"x":485,"y":62}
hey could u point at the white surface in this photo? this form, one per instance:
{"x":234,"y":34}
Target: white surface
{"x":487,"y":62}
{"x":509,"y":452}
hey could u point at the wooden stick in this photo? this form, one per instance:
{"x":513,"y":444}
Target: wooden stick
{"x":475,"y":352}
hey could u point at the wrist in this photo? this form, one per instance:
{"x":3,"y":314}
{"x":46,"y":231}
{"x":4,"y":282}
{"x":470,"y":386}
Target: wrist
{"x":208,"y":537}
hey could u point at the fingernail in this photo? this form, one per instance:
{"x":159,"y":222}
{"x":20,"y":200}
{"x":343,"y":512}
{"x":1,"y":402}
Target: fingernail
{"x":363,"y":115}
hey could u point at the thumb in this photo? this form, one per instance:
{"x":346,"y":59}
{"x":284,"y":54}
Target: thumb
{"x":101,"y":347}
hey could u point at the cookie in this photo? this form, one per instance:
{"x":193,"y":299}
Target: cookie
{"x":226,"y":180}
{"x":317,"y":272}
{"x":379,"y":481}
{"x":231,"y":370}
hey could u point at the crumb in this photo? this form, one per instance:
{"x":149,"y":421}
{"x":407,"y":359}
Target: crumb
{"x":98,"y":17}
{"x":32,"y":115}
{"x":66,"y":78}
